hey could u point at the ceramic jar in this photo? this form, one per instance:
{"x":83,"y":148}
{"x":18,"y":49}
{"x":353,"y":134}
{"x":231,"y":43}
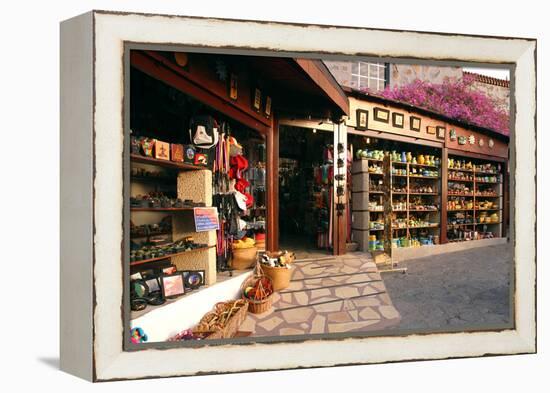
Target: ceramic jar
{"x":421,"y":159}
{"x":409,"y":157}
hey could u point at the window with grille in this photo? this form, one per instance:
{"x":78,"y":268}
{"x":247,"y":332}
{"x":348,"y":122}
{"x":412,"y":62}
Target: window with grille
{"x":368,"y":75}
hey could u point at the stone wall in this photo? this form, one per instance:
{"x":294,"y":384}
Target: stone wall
{"x":404,"y":74}
{"x":341,"y":70}
{"x":499,"y":94}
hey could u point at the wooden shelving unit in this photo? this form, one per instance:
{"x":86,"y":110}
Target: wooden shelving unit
{"x":144,"y":261}
{"x":474,"y":197}
{"x":172,"y":170}
{"x":405,"y":196}
{"x":182,"y":166}
{"x":161,"y":209}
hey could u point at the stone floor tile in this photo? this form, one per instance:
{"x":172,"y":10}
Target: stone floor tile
{"x":367,"y":301}
{"x":290,"y":331}
{"x":297,"y":315}
{"x":317,"y":293}
{"x":271,"y":323}
{"x":318,"y":325}
{"x":301,"y":298}
{"x":346,"y":292}
{"x":249,"y":325}
{"x":354,"y":314}
{"x":341,"y":316}
{"x":388,"y":312}
{"x":286,"y":297}
{"x":297,"y":275}
{"x":329,"y":307}
{"x":304,"y":326}
{"x":368,"y":313}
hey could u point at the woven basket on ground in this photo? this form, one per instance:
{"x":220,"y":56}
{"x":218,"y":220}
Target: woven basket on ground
{"x":223,"y":321}
{"x":260,"y":305}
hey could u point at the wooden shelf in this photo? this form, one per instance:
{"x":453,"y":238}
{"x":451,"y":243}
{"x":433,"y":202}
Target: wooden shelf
{"x":398,"y":193}
{"x":460,"y":195}
{"x":160,"y":209}
{"x":136,"y":236}
{"x":375,"y":174}
{"x":488,"y":196}
{"x":424,"y":227}
{"x":487,"y":173}
{"x":376,"y":211}
{"x":461,"y":170}
{"x":495,"y":209}
{"x":461,"y":180}
{"x":460,"y":210}
{"x":424,"y":210}
{"x":424,"y":165}
{"x":154,"y":179}
{"x":395,"y":175}
{"x":487,"y":182}
{"x":375,"y":192}
{"x":376,"y":230}
{"x":423,"y":193}
{"x":167,"y":164}
{"x":143,"y":261}
{"x":424,"y":177}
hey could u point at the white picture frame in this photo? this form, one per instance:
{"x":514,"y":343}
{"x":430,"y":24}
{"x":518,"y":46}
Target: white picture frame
{"x":92,"y":70}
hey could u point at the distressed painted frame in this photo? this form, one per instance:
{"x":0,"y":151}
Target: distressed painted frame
{"x":92,"y":144}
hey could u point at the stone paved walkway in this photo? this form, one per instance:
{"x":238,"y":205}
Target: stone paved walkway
{"x":459,"y":290}
{"x":328,"y":296}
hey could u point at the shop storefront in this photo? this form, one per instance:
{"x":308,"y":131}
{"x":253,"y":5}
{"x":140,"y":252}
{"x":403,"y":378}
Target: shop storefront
{"x":433,"y":179}
{"x":202,"y":185}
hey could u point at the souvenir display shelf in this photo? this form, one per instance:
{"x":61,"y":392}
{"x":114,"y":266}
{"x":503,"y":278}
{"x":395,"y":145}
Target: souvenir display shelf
{"x":415,"y":202}
{"x":476,"y":212}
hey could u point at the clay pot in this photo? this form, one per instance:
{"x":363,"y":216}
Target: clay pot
{"x":421,"y":159}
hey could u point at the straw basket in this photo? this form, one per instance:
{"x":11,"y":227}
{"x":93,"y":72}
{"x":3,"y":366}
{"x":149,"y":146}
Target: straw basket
{"x":224,"y":320}
{"x":279,"y":275}
{"x":244,"y":258}
{"x":257,"y":306}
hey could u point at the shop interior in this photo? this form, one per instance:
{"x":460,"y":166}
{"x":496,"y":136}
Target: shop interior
{"x":305,"y":189}
{"x":163,"y":121}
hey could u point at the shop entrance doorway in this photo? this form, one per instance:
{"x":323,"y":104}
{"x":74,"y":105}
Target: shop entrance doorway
{"x":305,"y":190}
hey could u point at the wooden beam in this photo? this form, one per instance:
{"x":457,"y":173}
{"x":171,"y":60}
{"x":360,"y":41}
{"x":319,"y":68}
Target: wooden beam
{"x":395,"y":137}
{"x":272,"y":189}
{"x":318,"y":73}
{"x":454,"y":152}
{"x":161,"y":69}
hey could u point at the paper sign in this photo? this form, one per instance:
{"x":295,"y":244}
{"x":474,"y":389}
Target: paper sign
{"x":206,"y":219}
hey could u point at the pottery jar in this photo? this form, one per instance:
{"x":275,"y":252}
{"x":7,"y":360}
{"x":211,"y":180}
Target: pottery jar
{"x":421,"y":159}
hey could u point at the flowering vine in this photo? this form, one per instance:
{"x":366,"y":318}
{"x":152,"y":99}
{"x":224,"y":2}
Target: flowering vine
{"x":453,"y":99}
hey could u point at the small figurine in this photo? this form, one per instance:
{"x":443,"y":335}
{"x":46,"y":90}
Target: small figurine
{"x":138,"y":336}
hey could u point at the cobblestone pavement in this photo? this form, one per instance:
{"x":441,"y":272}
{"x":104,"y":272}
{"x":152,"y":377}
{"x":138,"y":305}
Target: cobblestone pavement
{"x":342,"y":294}
{"x":455,"y":290}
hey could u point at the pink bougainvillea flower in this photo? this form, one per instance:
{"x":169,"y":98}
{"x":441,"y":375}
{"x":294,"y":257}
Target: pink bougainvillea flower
{"x":456,"y":100}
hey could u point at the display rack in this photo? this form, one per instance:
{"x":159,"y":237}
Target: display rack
{"x":154,"y":181}
{"x":476,"y":212}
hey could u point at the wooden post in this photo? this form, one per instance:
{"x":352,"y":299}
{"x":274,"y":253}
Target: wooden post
{"x":272,"y":187}
{"x":388,"y":209}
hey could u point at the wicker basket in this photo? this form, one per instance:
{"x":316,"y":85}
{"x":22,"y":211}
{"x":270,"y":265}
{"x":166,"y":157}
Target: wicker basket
{"x":279,"y":275}
{"x":257,"y":306}
{"x":244,"y":258}
{"x":232,"y":324}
